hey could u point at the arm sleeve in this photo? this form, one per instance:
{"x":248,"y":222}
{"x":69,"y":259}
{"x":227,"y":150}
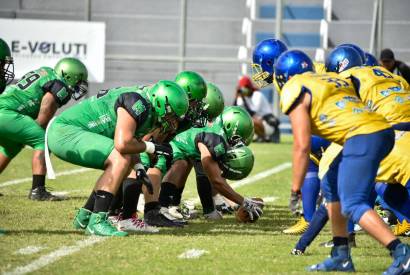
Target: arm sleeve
{"x":216,"y":144}
{"x":135,"y":105}
{"x":59,"y":90}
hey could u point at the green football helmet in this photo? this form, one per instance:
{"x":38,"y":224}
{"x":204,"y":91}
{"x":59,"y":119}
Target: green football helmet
{"x":213,"y":102}
{"x":169,"y":102}
{"x":237,"y":163}
{"x":6,"y":65}
{"x":75,"y":75}
{"x":236,"y":122}
{"x":195,"y":87}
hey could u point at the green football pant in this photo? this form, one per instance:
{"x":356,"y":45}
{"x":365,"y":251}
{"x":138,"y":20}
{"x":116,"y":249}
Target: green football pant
{"x":79,"y":146}
{"x":16,"y":131}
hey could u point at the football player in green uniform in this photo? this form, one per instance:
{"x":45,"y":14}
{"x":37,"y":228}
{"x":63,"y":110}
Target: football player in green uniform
{"x":211,"y":147}
{"x":105,"y":132}
{"x":27,"y":107}
{"x":6,"y":66}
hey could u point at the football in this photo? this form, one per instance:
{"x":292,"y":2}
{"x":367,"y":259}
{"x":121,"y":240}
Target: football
{"x":243,"y":216}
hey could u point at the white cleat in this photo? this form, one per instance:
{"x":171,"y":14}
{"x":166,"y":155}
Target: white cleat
{"x":135,"y":225}
{"x":175,"y":212}
{"x":213,"y":216}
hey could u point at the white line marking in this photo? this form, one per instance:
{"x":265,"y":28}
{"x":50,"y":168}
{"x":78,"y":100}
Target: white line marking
{"x":29,"y":250}
{"x":269,"y":199}
{"x":64,"y":173}
{"x":262,"y":175}
{"x":67,"y":250}
{"x":256,"y":177}
{"x":192,"y":254}
{"x":54,"y":256}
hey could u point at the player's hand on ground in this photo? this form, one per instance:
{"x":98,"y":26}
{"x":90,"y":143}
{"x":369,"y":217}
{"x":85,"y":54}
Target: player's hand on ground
{"x":143,"y":177}
{"x":253,"y":207}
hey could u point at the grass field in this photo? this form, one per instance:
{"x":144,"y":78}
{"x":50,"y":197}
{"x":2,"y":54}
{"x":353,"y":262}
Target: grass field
{"x":232,"y":248}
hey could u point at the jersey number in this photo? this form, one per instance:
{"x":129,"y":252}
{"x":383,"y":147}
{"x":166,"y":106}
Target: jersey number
{"x":27,"y":80}
{"x":379,"y":72}
{"x":338,"y":82}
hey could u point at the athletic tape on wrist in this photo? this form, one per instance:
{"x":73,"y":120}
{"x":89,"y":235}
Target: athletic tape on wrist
{"x":149,"y":147}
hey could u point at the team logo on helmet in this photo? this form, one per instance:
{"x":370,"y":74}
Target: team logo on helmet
{"x":343,"y":64}
{"x":304,"y":65}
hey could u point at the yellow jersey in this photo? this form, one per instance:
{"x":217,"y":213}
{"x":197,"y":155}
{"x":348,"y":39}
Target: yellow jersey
{"x":382,"y":92}
{"x":336,"y":113}
{"x":395,"y":168}
{"x":320,"y":68}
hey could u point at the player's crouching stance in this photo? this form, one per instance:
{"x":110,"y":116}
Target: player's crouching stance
{"x":105,"y":131}
{"x":219,"y":152}
{"x":327,"y":105}
{"x":27,"y":107}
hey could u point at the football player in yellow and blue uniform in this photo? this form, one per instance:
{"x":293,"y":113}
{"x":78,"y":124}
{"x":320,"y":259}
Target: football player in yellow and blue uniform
{"x":380,"y":90}
{"x":327,"y":105}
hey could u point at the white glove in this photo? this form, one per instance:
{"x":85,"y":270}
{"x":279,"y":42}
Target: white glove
{"x":254,"y":208}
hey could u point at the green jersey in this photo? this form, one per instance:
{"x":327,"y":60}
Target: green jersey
{"x":98,"y":114}
{"x":25,"y":96}
{"x":185,"y":144}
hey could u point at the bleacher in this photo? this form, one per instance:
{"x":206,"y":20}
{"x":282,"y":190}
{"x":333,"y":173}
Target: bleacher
{"x":151,"y":29}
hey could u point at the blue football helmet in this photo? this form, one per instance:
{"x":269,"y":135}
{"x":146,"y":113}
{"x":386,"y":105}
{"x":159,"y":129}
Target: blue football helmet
{"x":342,"y":58}
{"x":371,"y":60}
{"x":265,"y":55}
{"x":291,"y":63}
{"x":357,"y":48}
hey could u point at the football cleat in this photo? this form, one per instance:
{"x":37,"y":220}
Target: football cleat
{"x":134,"y":224}
{"x":100,"y":226}
{"x":297,"y":252}
{"x":213,"y":216}
{"x":175,"y":212}
{"x":401,"y":261}
{"x":402,"y":229}
{"x":155,"y":218}
{"x":41,"y":194}
{"x":340,"y":260}
{"x":114,"y":219}
{"x":222,"y":205}
{"x":164,"y":211}
{"x":300,"y":227}
{"x":82,"y":218}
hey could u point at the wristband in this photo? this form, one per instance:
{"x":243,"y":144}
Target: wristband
{"x":149,"y":147}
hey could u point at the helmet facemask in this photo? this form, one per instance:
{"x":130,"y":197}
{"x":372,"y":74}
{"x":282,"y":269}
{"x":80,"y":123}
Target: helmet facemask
{"x":260,"y":77}
{"x":196,"y":113}
{"x":8,"y":69}
{"x":80,"y":89}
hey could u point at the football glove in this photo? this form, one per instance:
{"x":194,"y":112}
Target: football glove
{"x":143,"y":177}
{"x":254,"y":208}
{"x":295,"y":202}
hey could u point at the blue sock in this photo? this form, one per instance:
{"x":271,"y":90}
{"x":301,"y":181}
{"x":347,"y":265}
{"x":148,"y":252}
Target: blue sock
{"x":310,"y":192}
{"x":318,"y":221}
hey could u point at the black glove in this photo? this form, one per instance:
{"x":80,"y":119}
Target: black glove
{"x":143,"y":177}
{"x":294,"y":202}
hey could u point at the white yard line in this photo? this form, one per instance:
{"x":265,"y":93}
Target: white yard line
{"x":64,"y":173}
{"x":29,"y":250}
{"x":54,"y":256}
{"x":68,"y":250}
{"x":262,"y":175}
{"x":257,"y":177}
